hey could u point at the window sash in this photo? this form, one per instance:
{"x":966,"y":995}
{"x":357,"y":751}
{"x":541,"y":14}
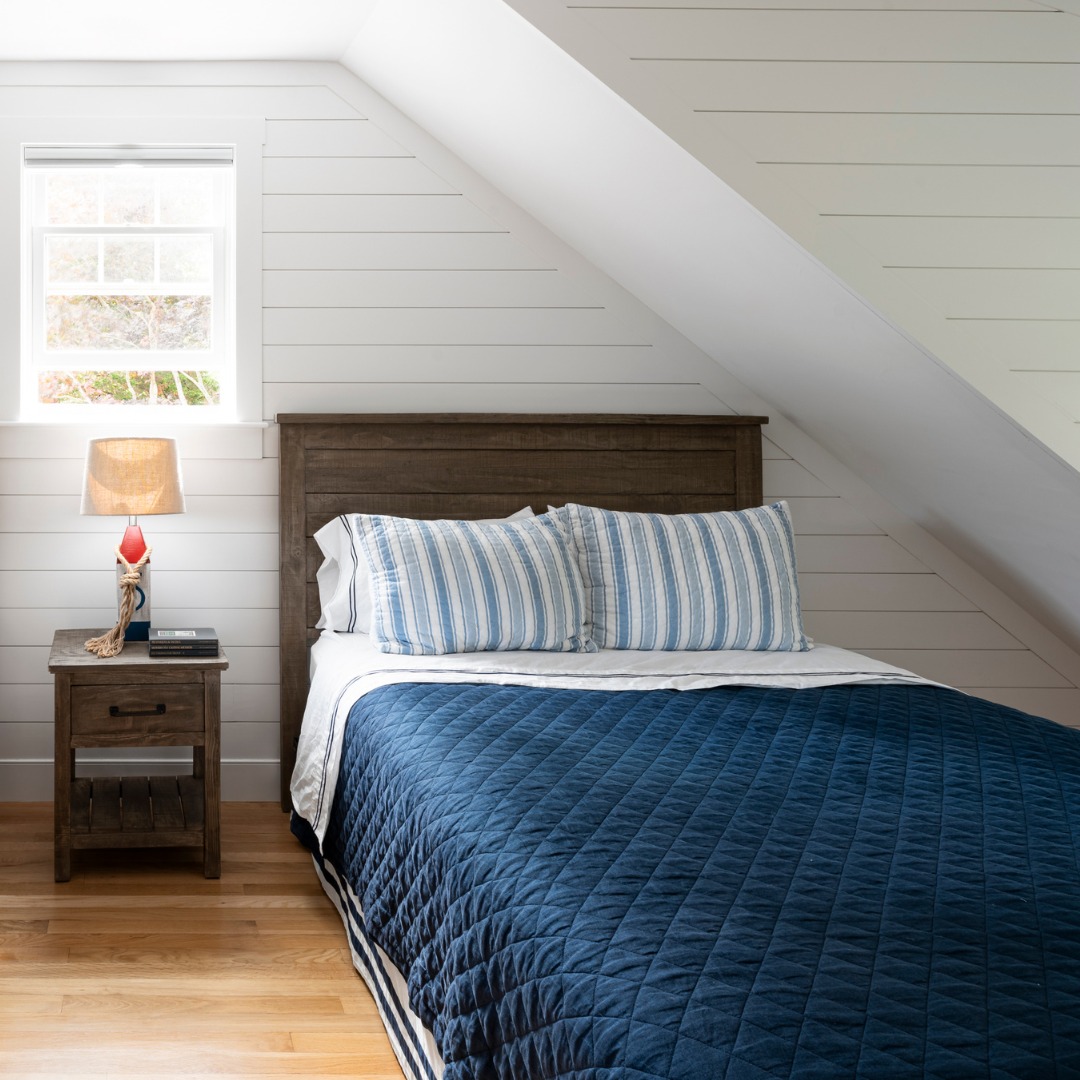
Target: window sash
{"x":216,"y":235}
{"x":241,"y":398}
{"x":40,"y":162}
{"x":45,"y":359}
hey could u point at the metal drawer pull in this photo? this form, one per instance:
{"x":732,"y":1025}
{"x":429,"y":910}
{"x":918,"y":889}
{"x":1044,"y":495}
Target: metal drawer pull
{"x":157,"y":710}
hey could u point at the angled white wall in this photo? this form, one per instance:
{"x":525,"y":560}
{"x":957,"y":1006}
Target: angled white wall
{"x":565,"y":146}
{"x":925,"y":153}
{"x":938,"y":143}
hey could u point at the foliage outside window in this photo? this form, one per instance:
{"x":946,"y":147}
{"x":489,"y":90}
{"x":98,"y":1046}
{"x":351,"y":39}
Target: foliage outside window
{"x":128,"y":258}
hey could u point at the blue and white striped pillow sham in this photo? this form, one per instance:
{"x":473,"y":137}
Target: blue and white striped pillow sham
{"x":723,"y":580}
{"x":343,"y":577}
{"x":468,"y":586}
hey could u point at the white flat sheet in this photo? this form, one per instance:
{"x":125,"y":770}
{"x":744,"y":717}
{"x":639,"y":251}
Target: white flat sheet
{"x":347,"y":666}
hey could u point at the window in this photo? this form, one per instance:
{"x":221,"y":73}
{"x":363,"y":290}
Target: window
{"x":129,"y":279}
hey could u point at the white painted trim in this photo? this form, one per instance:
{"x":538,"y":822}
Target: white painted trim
{"x":248,"y":259}
{"x":19,"y":439}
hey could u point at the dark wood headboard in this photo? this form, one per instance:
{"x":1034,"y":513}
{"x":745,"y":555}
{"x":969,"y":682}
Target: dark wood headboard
{"x":472,"y":465}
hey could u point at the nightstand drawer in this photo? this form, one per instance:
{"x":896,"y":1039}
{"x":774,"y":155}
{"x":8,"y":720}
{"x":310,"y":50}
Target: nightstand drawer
{"x":121,"y":709}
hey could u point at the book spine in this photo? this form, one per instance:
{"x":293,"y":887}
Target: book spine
{"x":184,"y":652}
{"x":184,"y":656}
{"x":186,"y":647}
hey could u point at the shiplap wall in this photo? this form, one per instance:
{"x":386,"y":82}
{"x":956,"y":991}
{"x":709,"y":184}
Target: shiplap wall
{"x":388,"y":288}
{"x":934,"y":145}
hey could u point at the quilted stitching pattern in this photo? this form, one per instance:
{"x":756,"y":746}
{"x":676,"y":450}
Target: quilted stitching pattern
{"x":859,"y":881}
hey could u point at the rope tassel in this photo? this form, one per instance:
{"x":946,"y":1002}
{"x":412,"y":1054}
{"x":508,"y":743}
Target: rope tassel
{"x":112,"y":643}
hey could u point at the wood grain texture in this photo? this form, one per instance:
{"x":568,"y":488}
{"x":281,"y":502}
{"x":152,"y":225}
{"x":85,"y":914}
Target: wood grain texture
{"x":472,"y":465}
{"x":294,"y":624}
{"x":525,"y":472}
{"x":134,"y":700}
{"x":142,"y":967}
{"x":121,"y":711}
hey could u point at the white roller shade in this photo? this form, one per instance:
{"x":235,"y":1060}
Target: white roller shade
{"x":104,"y":157}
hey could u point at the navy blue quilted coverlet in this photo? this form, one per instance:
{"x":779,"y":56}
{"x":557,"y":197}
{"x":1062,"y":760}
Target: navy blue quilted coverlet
{"x":857,"y":881}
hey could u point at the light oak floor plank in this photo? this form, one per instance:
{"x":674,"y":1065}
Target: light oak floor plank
{"x":140,"y":967}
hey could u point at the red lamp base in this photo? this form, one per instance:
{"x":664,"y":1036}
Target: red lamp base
{"x":132,"y":548}
{"x":133,"y":545}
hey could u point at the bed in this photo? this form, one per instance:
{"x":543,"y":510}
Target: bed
{"x":647,"y":862}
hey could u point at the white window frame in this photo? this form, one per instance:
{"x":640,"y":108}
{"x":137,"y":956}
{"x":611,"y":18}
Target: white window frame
{"x":38,"y":161}
{"x":246,"y":135}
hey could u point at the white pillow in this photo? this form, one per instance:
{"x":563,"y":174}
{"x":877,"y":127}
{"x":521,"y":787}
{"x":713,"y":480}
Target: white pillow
{"x":472,"y":586}
{"x":724,"y":580}
{"x":344,"y":579}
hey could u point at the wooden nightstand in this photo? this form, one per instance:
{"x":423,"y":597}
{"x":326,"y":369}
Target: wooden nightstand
{"x":134,"y":700}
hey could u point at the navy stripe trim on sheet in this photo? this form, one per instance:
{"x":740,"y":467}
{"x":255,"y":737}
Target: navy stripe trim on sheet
{"x":354,"y":558}
{"x":368,"y":962}
{"x":338,"y":716}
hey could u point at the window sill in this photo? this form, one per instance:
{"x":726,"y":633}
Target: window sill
{"x":63,"y":439}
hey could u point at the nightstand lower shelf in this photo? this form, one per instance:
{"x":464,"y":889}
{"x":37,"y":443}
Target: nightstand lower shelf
{"x":137,"y":811}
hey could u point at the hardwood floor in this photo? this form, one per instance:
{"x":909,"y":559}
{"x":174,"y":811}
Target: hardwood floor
{"x":140,"y":967}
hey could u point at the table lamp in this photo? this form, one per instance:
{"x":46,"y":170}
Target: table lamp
{"x":133,"y":476}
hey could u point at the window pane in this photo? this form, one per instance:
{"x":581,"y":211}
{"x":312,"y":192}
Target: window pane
{"x":130,"y":261}
{"x":128,"y":196}
{"x":72,"y":198}
{"x":127,"y":322}
{"x":151,"y":234}
{"x":187,"y":197}
{"x":186,"y":258}
{"x":137,"y":388}
{"x":71,"y":258}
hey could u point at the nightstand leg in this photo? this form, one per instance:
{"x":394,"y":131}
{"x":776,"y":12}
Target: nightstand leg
{"x":63,"y":769}
{"x":211,"y":770}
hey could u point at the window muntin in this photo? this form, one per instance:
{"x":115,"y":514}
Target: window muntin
{"x":130,"y":287}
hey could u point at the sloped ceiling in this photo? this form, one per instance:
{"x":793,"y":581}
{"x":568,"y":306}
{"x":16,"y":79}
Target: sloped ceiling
{"x":926,"y":154}
{"x":628,"y":196}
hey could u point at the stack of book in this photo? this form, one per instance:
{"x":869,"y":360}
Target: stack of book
{"x":200,"y":641}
